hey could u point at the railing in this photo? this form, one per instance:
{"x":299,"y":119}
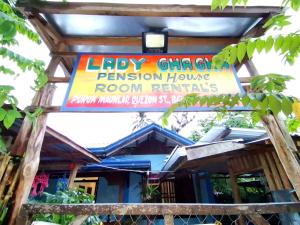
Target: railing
{"x":169,"y":214}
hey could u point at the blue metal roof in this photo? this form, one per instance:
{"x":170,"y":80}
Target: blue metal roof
{"x":138,"y":134}
{"x":128,"y":164}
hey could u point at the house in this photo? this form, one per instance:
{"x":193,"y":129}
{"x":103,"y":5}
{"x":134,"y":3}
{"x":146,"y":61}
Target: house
{"x":238,"y":154}
{"x":131,"y":162}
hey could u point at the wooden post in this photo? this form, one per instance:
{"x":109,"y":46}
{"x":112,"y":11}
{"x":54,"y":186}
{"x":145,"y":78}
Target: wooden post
{"x":258,"y":219}
{"x":235,"y":188}
{"x":282,"y":142}
{"x":72,"y":176}
{"x":169,"y":219}
{"x":235,"y":191}
{"x":30,"y":163}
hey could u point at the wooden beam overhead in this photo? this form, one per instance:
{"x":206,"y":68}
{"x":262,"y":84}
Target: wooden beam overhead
{"x":137,"y":41}
{"x":157,"y":10}
{"x":199,"y":152}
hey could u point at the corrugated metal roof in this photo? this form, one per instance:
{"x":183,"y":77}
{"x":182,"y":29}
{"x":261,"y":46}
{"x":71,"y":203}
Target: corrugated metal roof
{"x":143,"y":133}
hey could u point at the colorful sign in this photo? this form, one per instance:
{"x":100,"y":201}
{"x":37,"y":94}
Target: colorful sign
{"x":139,"y":82}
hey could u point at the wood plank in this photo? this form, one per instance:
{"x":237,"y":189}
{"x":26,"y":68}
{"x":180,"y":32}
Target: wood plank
{"x":251,"y":68}
{"x":285,"y":148}
{"x":4,"y":164}
{"x":285,"y":180}
{"x":258,"y":30}
{"x":212,"y":150}
{"x":165,"y":10}
{"x":274,"y":171}
{"x":168,"y":220}
{"x":267,"y":172}
{"x":73,"y":175}
{"x":258,"y":219}
{"x":137,"y":41}
{"x":4,"y":181}
{"x":45,"y":27}
{"x":61,"y":166}
{"x":235,"y":187}
{"x":162,"y":209}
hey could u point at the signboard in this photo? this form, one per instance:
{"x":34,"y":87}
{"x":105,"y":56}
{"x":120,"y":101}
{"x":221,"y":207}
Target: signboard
{"x":139,"y":82}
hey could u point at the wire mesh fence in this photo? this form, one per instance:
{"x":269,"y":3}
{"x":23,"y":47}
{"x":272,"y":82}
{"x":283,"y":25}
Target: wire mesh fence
{"x":272,"y":219}
{"x":175,"y":214}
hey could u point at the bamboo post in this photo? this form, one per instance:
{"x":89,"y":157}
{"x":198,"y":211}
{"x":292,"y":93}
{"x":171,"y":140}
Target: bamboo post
{"x":30,"y":163}
{"x":282,"y":142}
{"x":72,"y":176}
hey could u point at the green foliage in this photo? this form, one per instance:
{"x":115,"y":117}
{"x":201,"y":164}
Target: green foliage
{"x":293,"y":124}
{"x":150,"y":192}
{"x":267,"y":91}
{"x":221,"y":4}
{"x":11,"y":24}
{"x":231,"y":119}
{"x":288,"y":46}
{"x":267,"y":99}
{"x":277,"y":22}
{"x":72,"y":196}
{"x":33,"y":116}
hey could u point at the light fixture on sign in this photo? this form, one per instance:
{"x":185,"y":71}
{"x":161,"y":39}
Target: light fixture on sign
{"x":155,"y":42}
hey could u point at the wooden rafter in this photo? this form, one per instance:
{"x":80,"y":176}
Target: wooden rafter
{"x":161,"y":10}
{"x":137,"y":41}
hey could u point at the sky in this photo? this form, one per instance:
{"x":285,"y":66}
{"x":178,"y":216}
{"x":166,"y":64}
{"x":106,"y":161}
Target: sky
{"x":100,"y":129}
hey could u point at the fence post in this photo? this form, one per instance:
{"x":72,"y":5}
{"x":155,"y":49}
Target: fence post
{"x":169,"y":219}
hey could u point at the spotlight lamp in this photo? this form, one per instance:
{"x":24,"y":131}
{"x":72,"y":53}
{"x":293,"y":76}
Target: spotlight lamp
{"x":155,"y":42}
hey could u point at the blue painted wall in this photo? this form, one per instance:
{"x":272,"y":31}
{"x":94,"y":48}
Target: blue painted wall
{"x":203,"y":188}
{"x":106,"y":193}
{"x":135,"y":188}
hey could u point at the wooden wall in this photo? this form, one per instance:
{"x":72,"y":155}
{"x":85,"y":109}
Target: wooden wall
{"x":265,"y":160}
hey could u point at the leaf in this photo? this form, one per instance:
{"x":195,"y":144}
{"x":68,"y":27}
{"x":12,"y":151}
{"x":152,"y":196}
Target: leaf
{"x":254,"y":103}
{"x":286,"y":44}
{"x":286,"y":106}
{"x":269,"y":44}
{"x":295,"y":4}
{"x":274,"y":104}
{"x":259,"y":44}
{"x":264,"y":104}
{"x":224,"y":3}
{"x":2,"y":114}
{"x":215,"y":4}
{"x":246,"y":100}
{"x":250,"y":49}
{"x":9,"y":119}
{"x":278,"y":43}
{"x":241,"y":51}
{"x":233,"y":54}
{"x":7,"y":30}
{"x":255,"y":117}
